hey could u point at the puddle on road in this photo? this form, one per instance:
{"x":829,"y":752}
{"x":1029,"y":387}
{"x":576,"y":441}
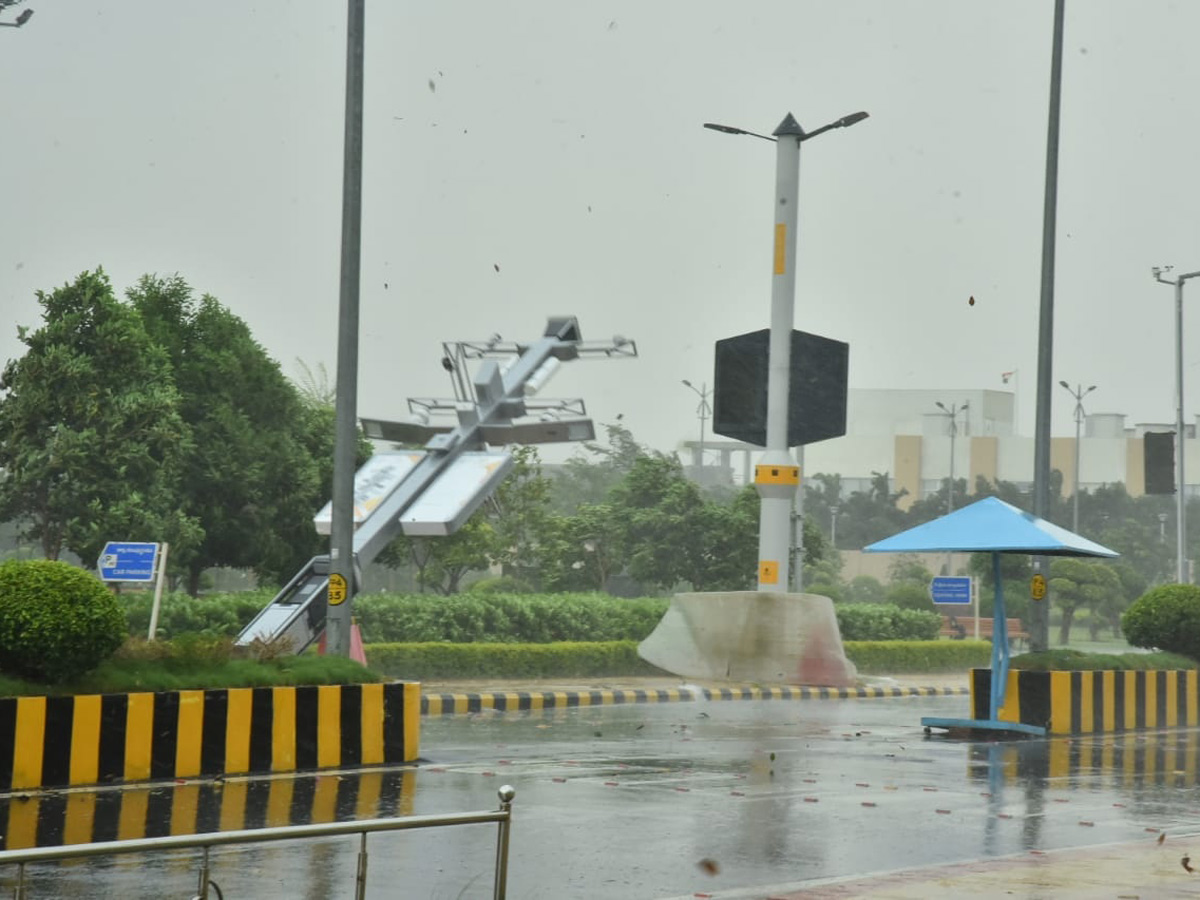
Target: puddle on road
{"x":55,"y":818}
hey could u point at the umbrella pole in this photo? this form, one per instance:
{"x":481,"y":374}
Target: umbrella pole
{"x":1000,"y":653}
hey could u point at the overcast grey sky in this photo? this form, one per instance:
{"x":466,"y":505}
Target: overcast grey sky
{"x":562,"y":142}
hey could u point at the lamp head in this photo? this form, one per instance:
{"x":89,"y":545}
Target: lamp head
{"x":940,"y":405}
{"x":1064,"y":384}
{"x":24,"y":17}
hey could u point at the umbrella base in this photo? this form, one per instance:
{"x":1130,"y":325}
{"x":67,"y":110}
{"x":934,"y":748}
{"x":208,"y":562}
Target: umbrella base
{"x":993,"y":727}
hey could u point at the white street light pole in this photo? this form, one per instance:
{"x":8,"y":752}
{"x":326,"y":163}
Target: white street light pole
{"x":703,"y":411}
{"x":1180,"y":521}
{"x":777,"y":476}
{"x":951,"y":413}
{"x":1079,"y":393}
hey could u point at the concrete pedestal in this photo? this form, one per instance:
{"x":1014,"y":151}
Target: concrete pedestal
{"x":751,"y":636}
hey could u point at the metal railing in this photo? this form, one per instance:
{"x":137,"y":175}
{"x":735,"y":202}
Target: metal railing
{"x":205,"y":842}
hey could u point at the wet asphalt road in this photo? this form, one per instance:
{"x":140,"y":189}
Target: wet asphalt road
{"x":674,"y":800}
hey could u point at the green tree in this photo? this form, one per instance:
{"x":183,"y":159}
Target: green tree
{"x":519,"y":516}
{"x":868,"y":516}
{"x":251,"y":477}
{"x":590,"y":474}
{"x":442,"y":562}
{"x":91,"y":436}
{"x":908,"y":568}
{"x":867,"y":589}
{"x":580,"y":552}
{"x":1077,"y":583}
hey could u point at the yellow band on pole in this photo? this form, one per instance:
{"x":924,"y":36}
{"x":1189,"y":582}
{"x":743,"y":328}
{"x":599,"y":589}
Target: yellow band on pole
{"x":776,"y":474}
{"x":780,"y":248}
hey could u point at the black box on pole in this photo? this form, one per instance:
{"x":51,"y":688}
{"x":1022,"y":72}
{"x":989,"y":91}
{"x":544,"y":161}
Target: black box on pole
{"x":817,"y":391}
{"x":1158,"y":451}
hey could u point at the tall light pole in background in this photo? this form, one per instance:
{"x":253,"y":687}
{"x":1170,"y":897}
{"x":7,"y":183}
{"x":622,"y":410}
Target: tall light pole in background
{"x":1079,"y":393}
{"x":1039,"y":613}
{"x":703,"y":411}
{"x":341,"y":537}
{"x":777,"y":476}
{"x":1180,"y":503}
{"x":951,"y":413}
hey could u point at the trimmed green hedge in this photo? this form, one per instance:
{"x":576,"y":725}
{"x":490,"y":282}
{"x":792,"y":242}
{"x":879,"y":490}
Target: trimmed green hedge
{"x":896,"y":657}
{"x":610,"y":659}
{"x":886,"y":622}
{"x":506,"y":618}
{"x":213,"y":615}
{"x":495,"y":618}
{"x":1065,"y":659}
{"x":557,"y":660}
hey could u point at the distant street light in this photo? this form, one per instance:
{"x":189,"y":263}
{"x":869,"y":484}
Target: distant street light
{"x":833,"y":513}
{"x":777,"y":476}
{"x":1079,"y":393}
{"x":1180,"y":552}
{"x":952,"y":414}
{"x":703,"y":411}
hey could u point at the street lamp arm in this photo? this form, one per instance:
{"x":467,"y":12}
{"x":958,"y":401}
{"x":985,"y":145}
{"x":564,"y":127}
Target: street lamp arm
{"x":729,"y":129}
{"x":843,"y":122}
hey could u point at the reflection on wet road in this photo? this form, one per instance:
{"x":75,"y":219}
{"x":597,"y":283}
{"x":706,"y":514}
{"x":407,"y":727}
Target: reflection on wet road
{"x":651,"y":801}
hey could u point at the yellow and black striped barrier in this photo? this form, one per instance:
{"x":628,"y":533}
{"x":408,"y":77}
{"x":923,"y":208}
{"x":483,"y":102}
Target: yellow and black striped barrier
{"x":102,"y":739}
{"x":1089,"y":702}
{"x":435,"y":704}
{"x":55,"y":818}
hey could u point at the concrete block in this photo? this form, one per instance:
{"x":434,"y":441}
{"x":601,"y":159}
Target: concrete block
{"x":751,"y":636}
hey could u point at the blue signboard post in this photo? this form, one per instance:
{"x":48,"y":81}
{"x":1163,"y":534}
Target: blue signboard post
{"x":951,"y":590}
{"x":126,"y":561}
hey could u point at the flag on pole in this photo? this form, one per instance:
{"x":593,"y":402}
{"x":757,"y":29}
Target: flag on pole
{"x":1006,"y":376}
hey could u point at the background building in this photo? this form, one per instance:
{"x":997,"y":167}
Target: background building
{"x":905,"y":434}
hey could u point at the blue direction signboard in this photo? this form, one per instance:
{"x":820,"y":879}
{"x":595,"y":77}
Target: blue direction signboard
{"x":125,"y":561}
{"x":951,"y":589}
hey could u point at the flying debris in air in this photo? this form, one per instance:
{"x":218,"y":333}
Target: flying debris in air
{"x":432,"y":86}
{"x":1186,"y":862}
{"x":971,"y":300}
{"x":447,"y":364}
{"x":1162,"y":837}
{"x":496,"y":266}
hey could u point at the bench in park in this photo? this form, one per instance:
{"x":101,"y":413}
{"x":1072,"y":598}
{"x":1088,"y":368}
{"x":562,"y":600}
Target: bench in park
{"x":1016,"y":630}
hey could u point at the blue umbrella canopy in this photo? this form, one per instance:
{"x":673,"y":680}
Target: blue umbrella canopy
{"x":990,"y":525}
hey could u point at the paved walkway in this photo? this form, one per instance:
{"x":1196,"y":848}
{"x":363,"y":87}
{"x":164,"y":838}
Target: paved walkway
{"x":1145,"y":870}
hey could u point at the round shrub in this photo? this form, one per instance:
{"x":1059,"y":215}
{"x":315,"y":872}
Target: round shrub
{"x":1166,"y":617}
{"x":56,"y":621}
